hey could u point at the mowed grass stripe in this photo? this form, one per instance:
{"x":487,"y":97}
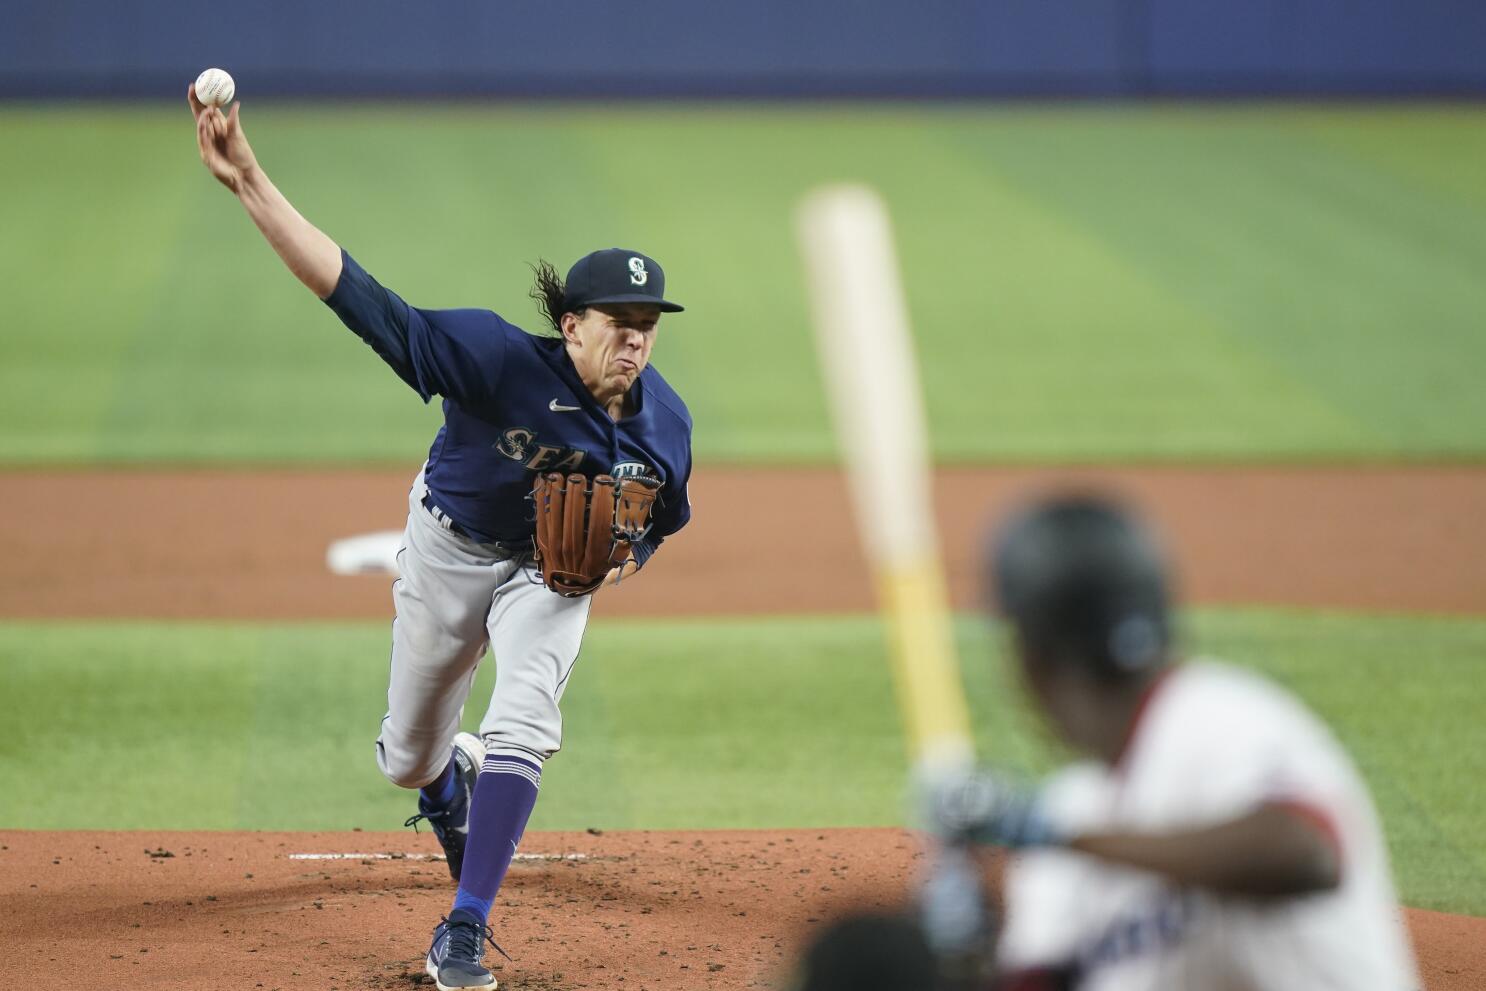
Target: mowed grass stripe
{"x":768,"y":722}
{"x":1277,"y":230}
{"x":1086,"y":283}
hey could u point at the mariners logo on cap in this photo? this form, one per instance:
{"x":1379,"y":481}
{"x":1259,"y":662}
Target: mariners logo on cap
{"x":637,"y":273}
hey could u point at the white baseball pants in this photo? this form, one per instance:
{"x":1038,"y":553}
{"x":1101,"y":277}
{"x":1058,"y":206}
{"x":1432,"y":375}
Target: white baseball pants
{"x":453,"y":598}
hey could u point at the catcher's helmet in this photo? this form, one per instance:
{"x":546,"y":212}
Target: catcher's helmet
{"x":878,"y":951}
{"x":1084,"y":583}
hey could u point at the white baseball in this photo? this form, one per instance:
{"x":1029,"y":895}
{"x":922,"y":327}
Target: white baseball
{"x":214,"y":87}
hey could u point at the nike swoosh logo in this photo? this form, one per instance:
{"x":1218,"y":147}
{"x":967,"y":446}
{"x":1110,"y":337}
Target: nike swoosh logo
{"x":557,"y":407}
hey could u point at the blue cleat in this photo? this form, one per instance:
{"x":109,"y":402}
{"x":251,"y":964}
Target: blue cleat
{"x":451,"y":824}
{"x":454,"y":957}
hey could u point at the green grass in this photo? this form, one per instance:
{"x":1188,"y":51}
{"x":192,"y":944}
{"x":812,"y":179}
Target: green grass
{"x":738,"y":723}
{"x":1086,"y":282}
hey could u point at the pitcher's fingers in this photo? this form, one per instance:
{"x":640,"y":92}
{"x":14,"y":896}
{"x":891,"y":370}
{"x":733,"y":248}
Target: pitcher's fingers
{"x":233,"y":123}
{"x":196,"y":105}
{"x":205,"y":139}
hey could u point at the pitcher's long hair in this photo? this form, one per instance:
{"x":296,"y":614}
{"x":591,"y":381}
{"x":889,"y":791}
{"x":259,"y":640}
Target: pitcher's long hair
{"x":548,"y":292}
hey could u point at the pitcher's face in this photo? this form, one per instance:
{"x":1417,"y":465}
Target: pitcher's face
{"x":610,"y":345}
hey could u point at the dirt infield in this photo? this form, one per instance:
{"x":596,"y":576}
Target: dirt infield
{"x":240,"y":545}
{"x":645,"y":911}
{"x":232,"y":910}
{"x":639,"y":910}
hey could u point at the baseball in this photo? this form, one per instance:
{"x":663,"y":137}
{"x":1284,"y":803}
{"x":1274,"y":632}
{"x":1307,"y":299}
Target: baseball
{"x":214,"y":88}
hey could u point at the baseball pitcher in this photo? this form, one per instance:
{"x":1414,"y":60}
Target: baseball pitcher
{"x":561,"y":466}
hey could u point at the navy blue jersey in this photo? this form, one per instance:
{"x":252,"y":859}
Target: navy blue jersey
{"x":514,"y":405}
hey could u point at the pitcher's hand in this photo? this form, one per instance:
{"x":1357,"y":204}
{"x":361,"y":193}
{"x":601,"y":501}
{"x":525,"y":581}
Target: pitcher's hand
{"x":224,"y":148}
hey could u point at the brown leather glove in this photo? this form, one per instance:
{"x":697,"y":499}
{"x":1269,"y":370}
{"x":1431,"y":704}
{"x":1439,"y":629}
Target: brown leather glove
{"x":584,"y":531}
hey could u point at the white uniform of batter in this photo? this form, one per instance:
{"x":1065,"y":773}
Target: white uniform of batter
{"x":1212,"y":743}
{"x":453,"y":598}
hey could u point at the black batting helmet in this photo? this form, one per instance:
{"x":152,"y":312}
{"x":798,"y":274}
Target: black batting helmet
{"x":1085,"y":584}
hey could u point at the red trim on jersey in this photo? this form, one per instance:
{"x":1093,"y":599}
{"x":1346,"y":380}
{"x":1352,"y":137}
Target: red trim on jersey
{"x":1040,"y":979}
{"x":1141,"y":709}
{"x":1317,"y":816}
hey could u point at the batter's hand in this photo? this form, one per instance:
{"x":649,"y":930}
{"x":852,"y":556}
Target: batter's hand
{"x":224,"y":148}
{"x":988,"y":807}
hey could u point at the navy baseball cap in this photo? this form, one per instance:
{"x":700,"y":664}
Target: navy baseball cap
{"x":615,"y":275}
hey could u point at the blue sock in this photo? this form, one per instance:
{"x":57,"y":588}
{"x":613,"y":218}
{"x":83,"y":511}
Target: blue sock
{"x":504,"y":797}
{"x":440,"y":791}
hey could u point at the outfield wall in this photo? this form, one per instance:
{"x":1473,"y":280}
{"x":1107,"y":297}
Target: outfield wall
{"x":763,"y":48}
